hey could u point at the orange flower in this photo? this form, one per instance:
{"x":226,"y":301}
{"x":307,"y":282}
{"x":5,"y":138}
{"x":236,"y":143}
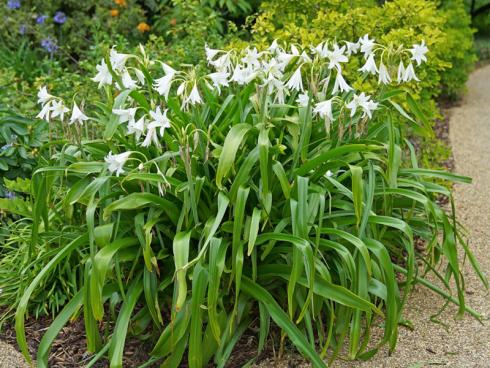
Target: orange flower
{"x":143,"y":27}
{"x":120,"y":2}
{"x":114,"y":12}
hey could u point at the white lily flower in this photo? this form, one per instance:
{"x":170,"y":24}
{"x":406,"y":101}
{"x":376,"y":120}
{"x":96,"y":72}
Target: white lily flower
{"x":77,"y":115}
{"x":151,"y":137}
{"x":116,"y":162}
{"x":43,"y":96}
{"x":340,"y":84}
{"x":296,"y":82}
{"x":369,"y":66}
{"x":282,"y":60}
{"x":194,"y":97}
{"x":118,"y":60}
{"x":223,"y":63}
{"x":163,"y":85}
{"x":44,"y":113}
{"x":125,"y":115}
{"x":418,"y":52}
{"x":401,"y":72}
{"x":336,"y":56}
{"x":384,"y":76}
{"x":160,"y":120}
{"x":367,"y":45}
{"x":137,"y":127}
{"x":324,"y":109}
{"x":58,"y":109}
{"x":103,"y":76}
{"x":274,"y":47}
{"x":239,"y":75}
{"x":303,"y":99}
{"x":127,"y":81}
{"x":251,"y":58}
{"x":219,"y":79}
{"x":364,"y":102}
{"x":410,"y":74}
{"x":352,"y":47}
{"x":210,"y":53}
{"x":273,"y":68}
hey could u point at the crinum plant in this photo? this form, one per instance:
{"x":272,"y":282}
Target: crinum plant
{"x":268,"y":190}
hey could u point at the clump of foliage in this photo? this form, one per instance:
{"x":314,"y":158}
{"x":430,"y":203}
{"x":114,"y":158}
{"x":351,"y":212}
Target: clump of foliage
{"x":268,"y":191}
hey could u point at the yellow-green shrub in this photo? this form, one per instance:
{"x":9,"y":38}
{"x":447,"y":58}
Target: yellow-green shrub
{"x":444,"y":27}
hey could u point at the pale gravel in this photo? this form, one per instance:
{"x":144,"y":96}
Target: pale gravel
{"x":465,"y":343}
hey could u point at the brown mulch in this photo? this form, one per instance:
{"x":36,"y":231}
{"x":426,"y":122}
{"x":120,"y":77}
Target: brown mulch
{"x":69,"y":348}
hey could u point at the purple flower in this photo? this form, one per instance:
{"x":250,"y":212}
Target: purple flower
{"x":59,"y":17}
{"x":13,"y":4}
{"x":9,"y":194}
{"x":5,"y":147}
{"x":41,"y":19}
{"x":49,"y":45}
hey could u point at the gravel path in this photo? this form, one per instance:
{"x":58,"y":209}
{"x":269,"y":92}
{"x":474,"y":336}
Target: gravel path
{"x":11,"y":358}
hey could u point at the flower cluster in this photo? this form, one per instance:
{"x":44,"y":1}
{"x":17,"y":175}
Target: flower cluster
{"x":312,"y":77}
{"x":52,"y":107}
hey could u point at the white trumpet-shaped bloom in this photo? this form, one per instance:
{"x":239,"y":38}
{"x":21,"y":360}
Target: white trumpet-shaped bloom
{"x":340,"y":84}
{"x":324,"y":109}
{"x":295,"y":82}
{"x":58,"y":108}
{"x":160,"y":120}
{"x":43,"y":96}
{"x":401,"y":72}
{"x":369,"y":66}
{"x":384,"y":75}
{"x":410,"y":74}
{"x":303,"y":99}
{"x":366,"y":45}
{"x":163,"y":85}
{"x":418,"y":52}
{"x":137,"y":128}
{"x":336,"y":56}
{"x":125,"y":115}
{"x":364,"y":102}
{"x":104,"y":76}
{"x":77,"y":115}
{"x":45,"y":111}
{"x":219,"y":79}
{"x":115,"y":163}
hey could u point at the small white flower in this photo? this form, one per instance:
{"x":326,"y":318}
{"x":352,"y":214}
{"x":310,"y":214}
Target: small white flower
{"x":160,"y":120}
{"x":44,"y":113}
{"x":352,"y":47}
{"x":282,"y":60}
{"x":340,"y":84}
{"x":103,"y":76}
{"x":370,"y":65}
{"x":384,"y":76}
{"x":210,"y":53}
{"x":410,"y":74}
{"x":116,"y":162}
{"x":125,"y":115}
{"x":118,"y":60}
{"x":151,"y":137}
{"x":127,"y":81}
{"x":194,"y":97}
{"x":401,"y":72}
{"x":273,"y":68}
{"x":324,"y":109}
{"x":58,"y":109}
{"x":329,"y":174}
{"x":251,"y":58}
{"x":274,"y":47}
{"x":223,"y":63}
{"x":163,"y":85}
{"x":336,"y":56}
{"x":418,"y":52}
{"x":303,"y":99}
{"x":77,"y":115}
{"x":296,"y":82}
{"x":219,"y":79}
{"x":137,"y":127}
{"x":364,"y":102}
{"x":367,"y":45}
{"x":43,"y":96}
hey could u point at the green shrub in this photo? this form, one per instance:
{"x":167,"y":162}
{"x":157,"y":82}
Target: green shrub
{"x":216,"y":209}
